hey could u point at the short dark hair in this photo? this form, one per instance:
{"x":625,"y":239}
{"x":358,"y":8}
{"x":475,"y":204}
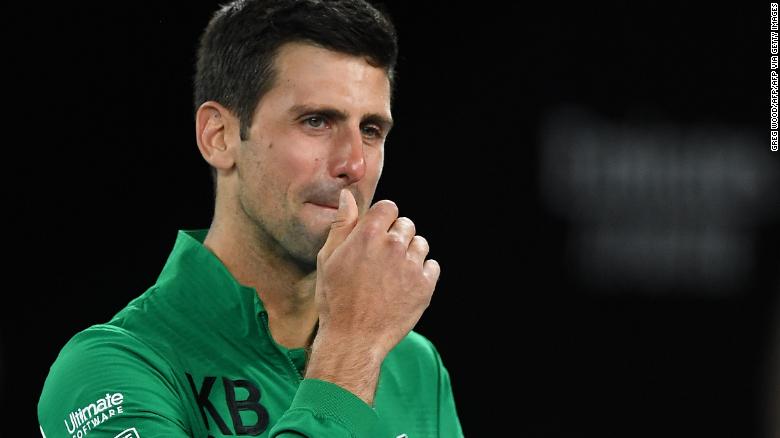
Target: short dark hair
{"x":237,"y":50}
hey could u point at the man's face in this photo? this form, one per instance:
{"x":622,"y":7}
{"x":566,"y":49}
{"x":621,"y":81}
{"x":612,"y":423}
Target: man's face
{"x":320,"y":128}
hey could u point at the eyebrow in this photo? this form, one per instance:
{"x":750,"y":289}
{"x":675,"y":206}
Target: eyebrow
{"x":336,"y":114}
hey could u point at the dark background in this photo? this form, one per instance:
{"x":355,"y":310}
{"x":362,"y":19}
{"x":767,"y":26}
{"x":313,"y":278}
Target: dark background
{"x":104,"y":169}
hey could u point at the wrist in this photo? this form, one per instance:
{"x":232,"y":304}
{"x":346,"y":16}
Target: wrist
{"x":353,"y":366}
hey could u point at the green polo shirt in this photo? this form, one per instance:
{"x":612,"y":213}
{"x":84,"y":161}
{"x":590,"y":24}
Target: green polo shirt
{"x":193,"y":356}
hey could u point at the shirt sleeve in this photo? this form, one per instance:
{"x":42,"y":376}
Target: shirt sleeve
{"x":449,"y":423}
{"x":322,"y":409}
{"x":106,"y":383}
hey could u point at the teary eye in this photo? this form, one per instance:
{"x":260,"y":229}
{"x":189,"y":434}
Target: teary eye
{"x":371,"y":131}
{"x":315,"y":121}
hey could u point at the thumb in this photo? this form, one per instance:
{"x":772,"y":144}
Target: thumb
{"x":346,"y":218}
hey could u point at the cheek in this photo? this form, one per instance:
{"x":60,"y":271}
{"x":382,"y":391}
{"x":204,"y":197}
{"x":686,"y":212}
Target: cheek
{"x":374,"y":165}
{"x":296,"y":168}
{"x":307,"y":162}
{"x":375,"y":161}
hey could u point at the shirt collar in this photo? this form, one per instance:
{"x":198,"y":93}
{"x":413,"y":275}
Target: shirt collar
{"x":194,"y":269}
{"x":203,"y":285}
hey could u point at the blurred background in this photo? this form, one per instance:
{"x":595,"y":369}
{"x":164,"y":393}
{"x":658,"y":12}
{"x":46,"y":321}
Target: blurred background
{"x":595,"y":180}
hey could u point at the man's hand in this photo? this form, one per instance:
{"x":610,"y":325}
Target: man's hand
{"x":373,"y":284}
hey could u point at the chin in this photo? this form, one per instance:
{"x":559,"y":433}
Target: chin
{"x":304,"y":246}
{"x":314,"y":234}
{"x":306,"y":260}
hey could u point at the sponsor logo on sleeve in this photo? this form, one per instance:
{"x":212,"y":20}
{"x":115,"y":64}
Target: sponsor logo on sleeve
{"x":129,"y":433}
{"x":81,"y":421}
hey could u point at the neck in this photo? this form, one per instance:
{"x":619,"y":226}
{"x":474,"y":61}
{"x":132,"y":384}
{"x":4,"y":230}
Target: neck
{"x":286,"y":288}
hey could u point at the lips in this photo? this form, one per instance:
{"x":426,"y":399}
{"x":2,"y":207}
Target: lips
{"x":324,"y":196}
{"x":330,"y":202}
{"x":334,"y":207}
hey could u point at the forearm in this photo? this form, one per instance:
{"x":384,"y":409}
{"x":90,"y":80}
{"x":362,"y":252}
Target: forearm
{"x":352,"y":366}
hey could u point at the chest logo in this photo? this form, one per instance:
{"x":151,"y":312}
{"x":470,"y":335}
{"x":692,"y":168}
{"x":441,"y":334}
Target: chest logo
{"x":234,"y":406}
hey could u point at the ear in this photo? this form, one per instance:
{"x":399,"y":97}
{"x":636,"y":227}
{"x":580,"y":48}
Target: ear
{"x":217,"y":131}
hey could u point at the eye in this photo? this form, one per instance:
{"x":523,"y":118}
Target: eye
{"x":315,"y":121}
{"x":371,"y":131}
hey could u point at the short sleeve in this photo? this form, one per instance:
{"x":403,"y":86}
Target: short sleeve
{"x":107,"y":383}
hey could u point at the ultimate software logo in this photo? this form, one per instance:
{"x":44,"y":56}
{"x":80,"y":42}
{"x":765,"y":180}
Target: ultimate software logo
{"x":92,"y":415}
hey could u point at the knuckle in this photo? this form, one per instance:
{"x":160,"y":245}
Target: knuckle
{"x":422,"y":243}
{"x":432,"y":270}
{"x":396,"y":241}
{"x":386,"y":207}
{"x":405,"y":223}
{"x":371,"y":229}
{"x":412,"y":264}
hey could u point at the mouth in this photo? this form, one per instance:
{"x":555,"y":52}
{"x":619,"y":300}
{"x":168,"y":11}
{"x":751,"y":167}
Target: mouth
{"x":327,"y":205}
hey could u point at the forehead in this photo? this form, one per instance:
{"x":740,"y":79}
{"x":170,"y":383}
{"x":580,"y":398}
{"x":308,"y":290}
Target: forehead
{"x":309,"y":74}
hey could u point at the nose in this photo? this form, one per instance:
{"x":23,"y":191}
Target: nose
{"x":348,"y":160}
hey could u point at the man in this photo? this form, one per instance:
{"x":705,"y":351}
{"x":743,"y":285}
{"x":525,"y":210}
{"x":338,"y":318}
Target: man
{"x":292,"y":315}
